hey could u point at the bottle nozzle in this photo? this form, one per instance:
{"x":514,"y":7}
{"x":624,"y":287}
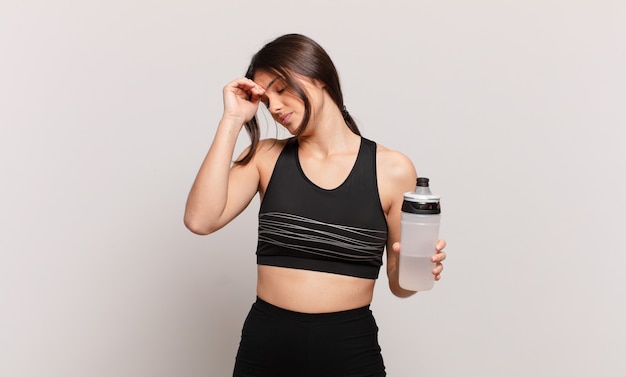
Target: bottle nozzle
{"x":422,"y":200}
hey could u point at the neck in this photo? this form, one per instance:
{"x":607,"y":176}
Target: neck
{"x":330,"y":140}
{"x":327,"y":132}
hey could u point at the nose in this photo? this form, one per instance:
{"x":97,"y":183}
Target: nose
{"x":275,"y":108}
{"x":274,"y":104}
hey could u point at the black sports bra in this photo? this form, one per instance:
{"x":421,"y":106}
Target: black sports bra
{"x":303,"y":226}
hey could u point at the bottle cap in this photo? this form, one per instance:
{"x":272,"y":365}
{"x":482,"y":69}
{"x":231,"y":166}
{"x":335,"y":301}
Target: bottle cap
{"x":422,"y":182}
{"x":422,"y":200}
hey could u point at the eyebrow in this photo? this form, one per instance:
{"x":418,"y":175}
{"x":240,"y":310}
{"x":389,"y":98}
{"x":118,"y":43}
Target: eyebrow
{"x":267,"y":88}
{"x":272,"y":82}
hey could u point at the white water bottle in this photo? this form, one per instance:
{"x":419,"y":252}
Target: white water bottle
{"x":419,"y":233}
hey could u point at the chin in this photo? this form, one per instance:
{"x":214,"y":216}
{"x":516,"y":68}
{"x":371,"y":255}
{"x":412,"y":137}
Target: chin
{"x":292,"y":127}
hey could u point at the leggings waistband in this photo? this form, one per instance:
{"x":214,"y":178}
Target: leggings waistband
{"x":314,"y":317}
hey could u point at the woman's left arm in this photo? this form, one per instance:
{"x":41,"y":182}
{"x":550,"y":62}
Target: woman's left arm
{"x":396,"y":175}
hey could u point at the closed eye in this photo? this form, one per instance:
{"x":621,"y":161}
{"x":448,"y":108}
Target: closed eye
{"x":266,"y":100}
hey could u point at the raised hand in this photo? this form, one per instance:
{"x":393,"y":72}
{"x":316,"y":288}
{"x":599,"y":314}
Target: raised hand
{"x":241,"y":99}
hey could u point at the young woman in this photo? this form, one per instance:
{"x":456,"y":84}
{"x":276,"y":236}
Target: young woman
{"x":330,"y":205}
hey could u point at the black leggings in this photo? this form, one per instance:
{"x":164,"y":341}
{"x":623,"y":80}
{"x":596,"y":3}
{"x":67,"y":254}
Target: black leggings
{"x":281,"y":343}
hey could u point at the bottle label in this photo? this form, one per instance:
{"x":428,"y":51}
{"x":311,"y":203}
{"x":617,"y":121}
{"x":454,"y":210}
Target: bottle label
{"x":421,"y":208}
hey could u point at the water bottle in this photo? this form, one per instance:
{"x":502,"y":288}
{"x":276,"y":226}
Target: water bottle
{"x":419,"y":233}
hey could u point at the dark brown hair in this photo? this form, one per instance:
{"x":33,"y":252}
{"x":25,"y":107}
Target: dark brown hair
{"x":296,"y":54}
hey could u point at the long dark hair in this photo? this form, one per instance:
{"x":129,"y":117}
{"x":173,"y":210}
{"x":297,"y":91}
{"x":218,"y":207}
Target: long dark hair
{"x":296,"y":54}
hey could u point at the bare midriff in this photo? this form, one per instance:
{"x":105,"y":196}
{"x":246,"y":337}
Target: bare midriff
{"x":312,"y":291}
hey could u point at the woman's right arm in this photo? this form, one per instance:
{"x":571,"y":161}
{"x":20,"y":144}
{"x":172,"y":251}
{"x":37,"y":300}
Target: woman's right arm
{"x":220,"y":192}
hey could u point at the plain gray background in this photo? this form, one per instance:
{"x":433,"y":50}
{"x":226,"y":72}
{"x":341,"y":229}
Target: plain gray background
{"x":514,"y":109}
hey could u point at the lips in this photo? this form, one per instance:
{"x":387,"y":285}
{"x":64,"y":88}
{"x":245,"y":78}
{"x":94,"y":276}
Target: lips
{"x":284,"y":119}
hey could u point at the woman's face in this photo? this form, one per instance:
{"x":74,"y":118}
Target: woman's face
{"x":282,"y":102}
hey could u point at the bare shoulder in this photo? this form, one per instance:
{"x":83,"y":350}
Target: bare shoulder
{"x":271,"y":146}
{"x":396,"y":174}
{"x":394,"y":165}
{"x":267,"y":151}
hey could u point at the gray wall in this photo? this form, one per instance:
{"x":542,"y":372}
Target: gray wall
{"x":514,"y":109}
